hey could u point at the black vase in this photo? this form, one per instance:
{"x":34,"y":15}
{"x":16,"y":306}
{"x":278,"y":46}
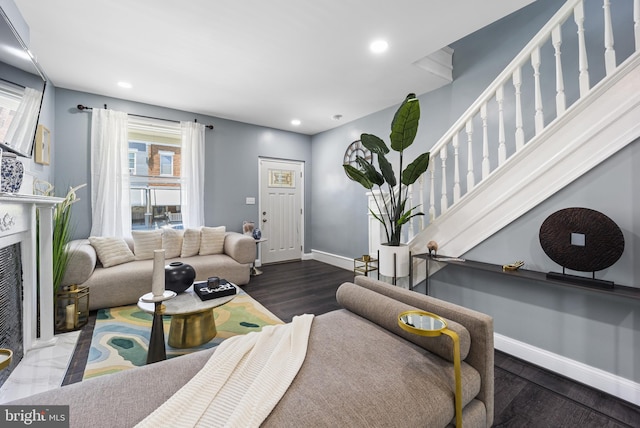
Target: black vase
{"x":178,"y":276}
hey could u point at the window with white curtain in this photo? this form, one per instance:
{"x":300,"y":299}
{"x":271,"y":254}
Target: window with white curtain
{"x":154,"y":149}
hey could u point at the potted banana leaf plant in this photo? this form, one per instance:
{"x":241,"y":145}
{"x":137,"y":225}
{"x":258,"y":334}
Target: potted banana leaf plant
{"x":393,"y":194}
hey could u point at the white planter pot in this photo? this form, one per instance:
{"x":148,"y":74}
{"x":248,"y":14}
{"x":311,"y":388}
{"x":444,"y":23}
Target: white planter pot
{"x":386,"y":261}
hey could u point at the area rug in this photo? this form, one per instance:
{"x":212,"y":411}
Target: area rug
{"x":121,"y":335}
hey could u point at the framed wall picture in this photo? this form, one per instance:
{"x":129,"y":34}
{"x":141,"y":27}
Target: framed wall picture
{"x":43,"y":145}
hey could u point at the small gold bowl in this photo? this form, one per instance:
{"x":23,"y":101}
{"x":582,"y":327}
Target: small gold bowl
{"x":5,"y":358}
{"x":366,"y":258}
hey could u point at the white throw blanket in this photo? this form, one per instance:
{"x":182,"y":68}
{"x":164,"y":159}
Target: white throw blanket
{"x":242,"y":381}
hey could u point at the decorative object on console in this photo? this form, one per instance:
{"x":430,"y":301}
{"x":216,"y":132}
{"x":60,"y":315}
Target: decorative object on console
{"x":432,"y":246}
{"x":513,"y":266}
{"x":584,"y":240}
{"x":178,"y":276}
{"x":393,"y":213}
{"x":12,"y":173}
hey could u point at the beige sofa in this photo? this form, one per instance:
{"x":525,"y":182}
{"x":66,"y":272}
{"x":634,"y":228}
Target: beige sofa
{"x":123,"y":284}
{"x":360,"y":369}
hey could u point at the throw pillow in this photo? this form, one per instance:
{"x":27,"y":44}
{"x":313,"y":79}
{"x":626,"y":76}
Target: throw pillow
{"x":212,"y":240}
{"x":190,"y":243}
{"x":172,"y":242}
{"x":111,"y":251}
{"x":145,"y":241}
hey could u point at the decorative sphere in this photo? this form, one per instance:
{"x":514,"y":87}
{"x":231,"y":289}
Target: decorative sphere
{"x":178,"y":276}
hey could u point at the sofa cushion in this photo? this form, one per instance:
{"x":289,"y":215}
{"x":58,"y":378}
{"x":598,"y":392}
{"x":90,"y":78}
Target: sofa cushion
{"x":145,"y":242}
{"x":212,"y":240}
{"x":111,"y":251}
{"x":384,"y":311}
{"x":190,"y":243}
{"x":172,"y":242}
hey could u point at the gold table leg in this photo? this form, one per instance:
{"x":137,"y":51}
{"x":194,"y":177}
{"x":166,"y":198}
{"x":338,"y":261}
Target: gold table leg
{"x":190,"y":330}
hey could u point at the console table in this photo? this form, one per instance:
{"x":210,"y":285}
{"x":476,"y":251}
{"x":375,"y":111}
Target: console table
{"x":617,"y":290}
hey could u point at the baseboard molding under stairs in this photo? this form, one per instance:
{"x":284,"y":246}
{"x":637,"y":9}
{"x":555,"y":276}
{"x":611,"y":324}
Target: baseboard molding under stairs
{"x":610,"y":383}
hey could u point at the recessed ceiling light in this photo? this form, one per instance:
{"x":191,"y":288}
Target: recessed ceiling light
{"x":126,"y":85}
{"x":378,"y":46}
{"x":295,"y":122}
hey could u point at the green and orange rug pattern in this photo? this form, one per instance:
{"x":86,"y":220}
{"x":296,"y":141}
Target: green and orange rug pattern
{"x":121,"y":335}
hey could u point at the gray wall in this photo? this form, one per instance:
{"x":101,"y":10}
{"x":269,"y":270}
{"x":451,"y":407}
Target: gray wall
{"x":599,"y":330}
{"x":339,"y":205}
{"x":232,"y":151}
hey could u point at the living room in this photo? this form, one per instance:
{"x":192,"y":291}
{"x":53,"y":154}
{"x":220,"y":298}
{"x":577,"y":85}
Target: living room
{"x":566,"y":319}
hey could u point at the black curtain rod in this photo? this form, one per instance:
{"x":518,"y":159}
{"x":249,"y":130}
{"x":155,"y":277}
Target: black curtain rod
{"x":82,"y":108}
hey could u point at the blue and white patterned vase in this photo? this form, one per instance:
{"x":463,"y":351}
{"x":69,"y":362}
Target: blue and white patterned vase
{"x":257,"y":234}
{"x":12,"y":173}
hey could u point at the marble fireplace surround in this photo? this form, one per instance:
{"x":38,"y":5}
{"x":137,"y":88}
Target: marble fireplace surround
{"x":18,"y":225}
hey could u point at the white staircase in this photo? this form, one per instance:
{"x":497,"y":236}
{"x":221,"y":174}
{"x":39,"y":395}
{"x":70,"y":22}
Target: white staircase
{"x":533,"y":156}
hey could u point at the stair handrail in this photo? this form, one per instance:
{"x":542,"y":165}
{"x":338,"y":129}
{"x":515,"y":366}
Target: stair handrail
{"x":558,"y":18}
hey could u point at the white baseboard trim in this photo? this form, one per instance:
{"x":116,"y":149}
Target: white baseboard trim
{"x":333,"y":259}
{"x":610,"y":383}
{"x":307,"y":256}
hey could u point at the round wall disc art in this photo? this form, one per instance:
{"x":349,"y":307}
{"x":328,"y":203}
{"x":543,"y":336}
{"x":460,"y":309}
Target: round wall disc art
{"x":581,"y":239}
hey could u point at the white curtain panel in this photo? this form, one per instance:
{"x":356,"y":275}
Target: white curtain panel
{"x":110,"y":210}
{"x":192,"y":174}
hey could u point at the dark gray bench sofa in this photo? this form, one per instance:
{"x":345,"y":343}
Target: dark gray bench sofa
{"x":361,"y":369}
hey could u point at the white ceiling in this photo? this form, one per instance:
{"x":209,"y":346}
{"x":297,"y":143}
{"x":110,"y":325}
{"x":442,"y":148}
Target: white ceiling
{"x":254,"y":61}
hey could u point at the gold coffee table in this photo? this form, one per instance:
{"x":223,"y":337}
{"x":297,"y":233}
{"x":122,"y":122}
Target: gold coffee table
{"x":192,"y":322}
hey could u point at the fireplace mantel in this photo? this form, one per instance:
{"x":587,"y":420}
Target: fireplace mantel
{"x":18,"y":225}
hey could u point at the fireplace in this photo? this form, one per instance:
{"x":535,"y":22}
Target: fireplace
{"x":11,"y":305}
{"x":21,"y":306}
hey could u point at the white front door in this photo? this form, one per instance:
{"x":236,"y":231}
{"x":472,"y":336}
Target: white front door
{"x":281,"y":218}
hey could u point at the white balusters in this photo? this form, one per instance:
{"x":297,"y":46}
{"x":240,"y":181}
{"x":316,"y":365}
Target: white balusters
{"x":410,"y":204}
{"x":609,"y":51}
{"x":583,"y":67}
{"x":524,"y":102}
{"x":486,"y":168}
{"x":539,"y":116}
{"x":517,"y":83}
{"x":470,"y":177}
{"x":444,"y":203}
{"x":456,"y":168}
{"x":556,"y":40}
{"x":432,"y":193}
{"x":636,"y":22}
{"x":421,"y":224}
{"x":502,"y":148}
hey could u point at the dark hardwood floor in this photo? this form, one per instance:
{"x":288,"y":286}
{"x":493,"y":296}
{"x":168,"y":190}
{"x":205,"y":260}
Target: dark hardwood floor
{"x":525,"y":395}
